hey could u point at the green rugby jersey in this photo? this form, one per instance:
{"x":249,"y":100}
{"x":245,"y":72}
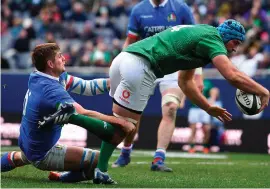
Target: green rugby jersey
{"x":181,"y":47}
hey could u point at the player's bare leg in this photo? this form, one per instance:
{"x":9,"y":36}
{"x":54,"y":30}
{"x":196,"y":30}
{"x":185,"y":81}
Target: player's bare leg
{"x":207,"y":131}
{"x":124,"y":158}
{"x":192,"y":138}
{"x":171,"y":99}
{"x":131,"y":88}
{"x":130,"y":138}
{"x":167,"y":125}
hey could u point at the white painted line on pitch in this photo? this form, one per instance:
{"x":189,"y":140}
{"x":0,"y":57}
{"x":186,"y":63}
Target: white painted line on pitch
{"x":178,"y":155}
{"x":199,"y":163}
{"x":183,"y":163}
{"x":215,"y":163}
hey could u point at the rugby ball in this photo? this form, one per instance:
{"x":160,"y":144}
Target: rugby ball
{"x":249,"y":104}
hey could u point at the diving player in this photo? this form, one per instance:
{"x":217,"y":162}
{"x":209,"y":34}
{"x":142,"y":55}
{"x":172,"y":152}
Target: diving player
{"x":185,"y":48}
{"x":148,"y":18}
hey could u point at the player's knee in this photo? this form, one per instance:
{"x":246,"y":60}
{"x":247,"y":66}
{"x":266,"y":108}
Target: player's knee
{"x":128,"y":125}
{"x":121,"y":130}
{"x":169,"y":110}
{"x":119,"y":135}
{"x":170,"y":103}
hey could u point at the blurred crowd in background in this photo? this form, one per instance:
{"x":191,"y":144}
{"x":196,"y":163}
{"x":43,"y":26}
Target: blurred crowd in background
{"x":91,"y":33}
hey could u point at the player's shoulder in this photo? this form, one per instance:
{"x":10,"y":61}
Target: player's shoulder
{"x":206,"y":26}
{"x":44,"y":82}
{"x":39,"y":78}
{"x":141,"y":7}
{"x":178,"y":6}
{"x":178,"y":3}
{"x":207,"y":30}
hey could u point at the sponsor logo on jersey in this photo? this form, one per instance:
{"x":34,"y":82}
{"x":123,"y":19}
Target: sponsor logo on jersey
{"x":171,"y":17}
{"x":152,"y":30}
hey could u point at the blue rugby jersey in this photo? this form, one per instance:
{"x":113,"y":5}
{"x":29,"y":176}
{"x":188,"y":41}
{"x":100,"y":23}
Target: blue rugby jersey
{"x":147,"y":19}
{"x":44,"y":92}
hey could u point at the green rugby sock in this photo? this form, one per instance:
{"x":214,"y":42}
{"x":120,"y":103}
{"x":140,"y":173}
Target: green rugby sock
{"x":106,"y":151}
{"x":102,"y":129}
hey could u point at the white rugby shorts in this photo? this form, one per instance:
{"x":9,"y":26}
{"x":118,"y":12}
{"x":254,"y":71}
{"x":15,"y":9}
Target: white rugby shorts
{"x":132,"y":81}
{"x":197,"y":115}
{"x":54,"y":159}
{"x":168,"y":82}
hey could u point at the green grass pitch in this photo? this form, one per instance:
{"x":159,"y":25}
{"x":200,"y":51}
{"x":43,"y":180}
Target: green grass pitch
{"x":229,"y":170}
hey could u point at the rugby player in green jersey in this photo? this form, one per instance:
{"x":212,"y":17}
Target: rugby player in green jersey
{"x":184,"y":48}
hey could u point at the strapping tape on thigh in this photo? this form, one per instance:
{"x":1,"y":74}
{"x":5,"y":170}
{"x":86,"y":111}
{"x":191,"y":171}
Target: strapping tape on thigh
{"x":169,"y":97}
{"x":198,"y":71}
{"x":126,"y":118}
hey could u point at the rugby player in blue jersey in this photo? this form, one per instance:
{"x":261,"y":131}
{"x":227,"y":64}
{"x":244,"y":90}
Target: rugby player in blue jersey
{"x":46,"y":90}
{"x":148,"y":18}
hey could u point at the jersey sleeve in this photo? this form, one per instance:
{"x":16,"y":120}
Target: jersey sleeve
{"x":133,"y":25}
{"x":188,"y":16}
{"x":55,"y":94}
{"x":63,"y":79}
{"x":210,"y":46}
{"x":86,"y":87}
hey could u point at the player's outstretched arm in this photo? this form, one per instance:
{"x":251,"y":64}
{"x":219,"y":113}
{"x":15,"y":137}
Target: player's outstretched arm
{"x":87,"y":87}
{"x":240,"y":80}
{"x":188,"y":86}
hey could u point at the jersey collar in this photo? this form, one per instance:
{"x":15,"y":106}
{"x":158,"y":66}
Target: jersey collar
{"x":160,"y":5}
{"x":46,"y":75}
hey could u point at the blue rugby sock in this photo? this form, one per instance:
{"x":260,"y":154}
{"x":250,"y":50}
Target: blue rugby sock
{"x":72,"y":176}
{"x":7,"y":163}
{"x":159,"y":155}
{"x":125,"y":151}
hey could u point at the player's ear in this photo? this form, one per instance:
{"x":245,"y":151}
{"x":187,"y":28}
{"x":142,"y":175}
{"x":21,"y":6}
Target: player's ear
{"x":50,"y":64}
